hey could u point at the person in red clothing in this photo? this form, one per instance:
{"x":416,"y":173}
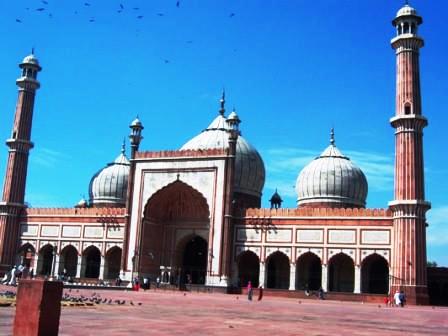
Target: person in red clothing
{"x":249,"y":291}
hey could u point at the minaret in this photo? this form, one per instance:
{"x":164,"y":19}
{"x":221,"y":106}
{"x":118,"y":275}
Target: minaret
{"x":19,"y":146}
{"x":408,"y":269}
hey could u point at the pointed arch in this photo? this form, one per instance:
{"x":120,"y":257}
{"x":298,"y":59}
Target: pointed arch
{"x":248,"y":268}
{"x":45,"y":260}
{"x":177,"y":200}
{"x":308,"y":271}
{"x":68,"y":261}
{"x":91,"y":262}
{"x":174,"y":215}
{"x":278,"y":270}
{"x":341,"y":273}
{"x":375,"y":275}
{"x":112,"y":263}
{"x":25,"y":254}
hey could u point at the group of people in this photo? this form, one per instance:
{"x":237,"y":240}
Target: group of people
{"x":145,"y":285}
{"x":399,"y":298}
{"x":250,"y":291}
{"x":17,"y":272}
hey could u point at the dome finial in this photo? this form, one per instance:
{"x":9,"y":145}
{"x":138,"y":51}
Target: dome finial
{"x":222,"y":102}
{"x":32,"y":51}
{"x":332,"y":141}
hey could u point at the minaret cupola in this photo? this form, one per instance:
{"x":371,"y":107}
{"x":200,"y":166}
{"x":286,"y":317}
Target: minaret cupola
{"x":30,"y":67}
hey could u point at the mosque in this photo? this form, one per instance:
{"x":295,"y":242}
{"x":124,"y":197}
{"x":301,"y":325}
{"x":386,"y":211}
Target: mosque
{"x":193,"y":214}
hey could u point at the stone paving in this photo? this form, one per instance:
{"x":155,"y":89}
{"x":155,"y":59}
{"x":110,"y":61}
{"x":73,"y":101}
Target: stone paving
{"x":177,"y":313}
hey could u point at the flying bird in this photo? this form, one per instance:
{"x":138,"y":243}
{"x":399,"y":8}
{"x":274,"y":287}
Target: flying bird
{"x":136,"y":8}
{"x":166,"y":61}
{"x":140,"y":17}
{"x":121,"y":6}
{"x":92,"y":20}
{"x":160,"y":14}
{"x":231,"y":14}
{"x":86,"y":4}
{"x":18,"y":20}
{"x":45,"y":2}
{"x":178,"y":4}
{"x":40,"y":9}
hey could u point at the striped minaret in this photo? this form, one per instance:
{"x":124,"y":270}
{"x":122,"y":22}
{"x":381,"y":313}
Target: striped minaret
{"x":408,"y":268}
{"x":16,"y":170}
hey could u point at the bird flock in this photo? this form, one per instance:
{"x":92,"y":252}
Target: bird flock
{"x":85,"y":12}
{"x":94,"y":298}
{"x":75,"y":297}
{"x":44,"y":7}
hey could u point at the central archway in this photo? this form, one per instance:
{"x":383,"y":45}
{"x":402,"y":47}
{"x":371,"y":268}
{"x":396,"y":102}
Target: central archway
{"x":173,"y":216}
{"x":194,"y":261}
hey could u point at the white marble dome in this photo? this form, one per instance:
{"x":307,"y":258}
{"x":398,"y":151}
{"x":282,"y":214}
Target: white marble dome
{"x":406,"y":10}
{"x":249,"y":166}
{"x":108,"y":187}
{"x":31,"y":59}
{"x":331,"y":180}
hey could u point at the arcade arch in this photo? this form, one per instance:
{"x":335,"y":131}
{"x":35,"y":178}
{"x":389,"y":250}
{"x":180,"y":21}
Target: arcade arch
{"x":68,"y":261}
{"x":248,"y":268}
{"x":375,"y":275}
{"x":112,"y":263}
{"x":91,"y":262}
{"x":277,"y":269}
{"x":308,"y":272}
{"x":341,"y":273}
{"x":45,"y":260}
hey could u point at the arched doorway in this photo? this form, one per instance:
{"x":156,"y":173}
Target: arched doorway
{"x":248,"y":269}
{"x":341,"y":273}
{"x":194,"y":261}
{"x":68,"y":261}
{"x":375,"y":275}
{"x":308,"y":272}
{"x":91,"y":262}
{"x":26,"y":255}
{"x":45,"y":260}
{"x":172,"y":217}
{"x":112,"y":264}
{"x":277,"y":271}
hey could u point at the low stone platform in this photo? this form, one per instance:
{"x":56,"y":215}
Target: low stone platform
{"x":158,"y":312}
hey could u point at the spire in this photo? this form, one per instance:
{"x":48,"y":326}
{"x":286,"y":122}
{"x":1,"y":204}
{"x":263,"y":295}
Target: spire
{"x":332,"y":141}
{"x":222,"y":101}
{"x":32,"y":51}
{"x":123,"y":146}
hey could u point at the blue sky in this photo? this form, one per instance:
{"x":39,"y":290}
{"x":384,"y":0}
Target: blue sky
{"x":292,"y":69}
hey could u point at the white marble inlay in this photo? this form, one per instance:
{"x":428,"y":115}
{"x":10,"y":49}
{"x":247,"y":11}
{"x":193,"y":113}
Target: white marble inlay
{"x":342,"y":236}
{"x":310,"y":236}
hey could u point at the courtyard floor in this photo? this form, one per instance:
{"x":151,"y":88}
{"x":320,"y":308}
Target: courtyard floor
{"x":177,"y":313}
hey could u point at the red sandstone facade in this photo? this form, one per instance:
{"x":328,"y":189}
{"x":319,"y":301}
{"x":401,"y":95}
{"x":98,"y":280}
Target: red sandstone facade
{"x":184,"y":221}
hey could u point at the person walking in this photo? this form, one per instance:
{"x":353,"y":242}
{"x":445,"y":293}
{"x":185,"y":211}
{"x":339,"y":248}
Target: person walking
{"x":260,"y":293}
{"x":397,"y":298}
{"x":249,"y":291}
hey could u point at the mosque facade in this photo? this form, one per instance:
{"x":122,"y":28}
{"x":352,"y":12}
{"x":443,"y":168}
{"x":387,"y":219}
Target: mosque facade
{"x":193,"y":214}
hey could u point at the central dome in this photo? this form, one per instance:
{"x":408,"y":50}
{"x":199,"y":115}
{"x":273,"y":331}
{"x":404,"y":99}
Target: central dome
{"x":331,"y":180}
{"x":249,"y":166}
{"x":108,"y":187}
